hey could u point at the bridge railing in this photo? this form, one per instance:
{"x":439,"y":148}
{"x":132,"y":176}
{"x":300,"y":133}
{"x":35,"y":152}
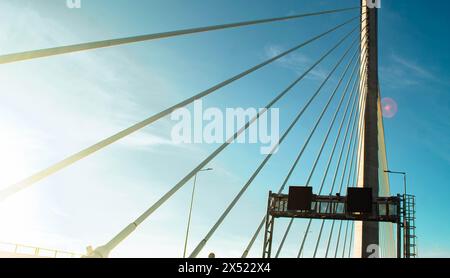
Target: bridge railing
{"x":27,"y":250}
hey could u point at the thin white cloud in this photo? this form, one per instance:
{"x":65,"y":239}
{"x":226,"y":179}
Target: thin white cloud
{"x":413,"y":67}
{"x":405,"y":72}
{"x":296,"y":62}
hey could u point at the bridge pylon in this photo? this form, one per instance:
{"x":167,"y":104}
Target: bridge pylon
{"x":367,"y":233}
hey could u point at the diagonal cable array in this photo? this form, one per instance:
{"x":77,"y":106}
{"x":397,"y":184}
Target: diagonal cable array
{"x":40,"y":53}
{"x":131,"y":227}
{"x":317,"y":159}
{"x":293,"y":167}
{"x":320,"y":154}
{"x":323,"y":221}
{"x":332,"y":188}
{"x":297,"y":118}
{"x":126,"y":132}
{"x":321,"y":186}
{"x":357,"y":143}
{"x":324,"y":177}
{"x":351,"y":119}
{"x":341,"y":222}
{"x":356,"y":152}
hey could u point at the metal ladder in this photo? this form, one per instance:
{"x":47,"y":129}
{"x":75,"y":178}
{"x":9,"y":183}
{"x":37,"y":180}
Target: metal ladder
{"x":410,"y":217}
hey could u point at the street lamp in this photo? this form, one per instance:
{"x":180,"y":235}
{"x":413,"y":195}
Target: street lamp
{"x":404,"y":179}
{"x":190,"y":210}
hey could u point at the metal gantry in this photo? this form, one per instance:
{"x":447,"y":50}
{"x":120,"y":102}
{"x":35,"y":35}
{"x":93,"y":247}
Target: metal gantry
{"x":330,"y":207}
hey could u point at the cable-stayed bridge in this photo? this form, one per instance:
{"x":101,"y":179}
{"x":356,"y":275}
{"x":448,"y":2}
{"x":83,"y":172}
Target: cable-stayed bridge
{"x":354,"y":135}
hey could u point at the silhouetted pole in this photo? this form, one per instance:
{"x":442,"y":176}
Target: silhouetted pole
{"x":190,"y":211}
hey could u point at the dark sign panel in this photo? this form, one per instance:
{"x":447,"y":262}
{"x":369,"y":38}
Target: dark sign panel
{"x":300,"y":198}
{"x":359,"y":200}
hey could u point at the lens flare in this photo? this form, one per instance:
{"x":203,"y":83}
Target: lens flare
{"x":389,"y":107}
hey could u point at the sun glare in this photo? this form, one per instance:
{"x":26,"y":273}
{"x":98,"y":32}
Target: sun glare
{"x":12,"y":157}
{"x":16,"y":212}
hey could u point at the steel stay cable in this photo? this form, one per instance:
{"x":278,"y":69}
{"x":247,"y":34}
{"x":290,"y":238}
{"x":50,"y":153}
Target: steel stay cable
{"x":336,"y":141}
{"x":353,"y":223}
{"x":338,"y":238}
{"x":348,"y":178}
{"x":351,"y":239}
{"x":322,"y":183}
{"x":132,"y":226}
{"x":349,"y":123}
{"x":249,"y":246}
{"x":358,"y":164}
{"x":310,"y":221}
{"x":363,"y":98}
{"x":114,"y":138}
{"x":340,"y":227}
{"x":332,"y":187}
{"x":46,"y":52}
{"x":323,"y":221}
{"x":342,"y":149}
{"x":333,"y":223}
{"x":345,"y":237}
{"x":321,"y":148}
{"x":352,"y":227}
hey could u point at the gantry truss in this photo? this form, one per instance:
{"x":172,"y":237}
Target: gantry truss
{"x":331,"y":207}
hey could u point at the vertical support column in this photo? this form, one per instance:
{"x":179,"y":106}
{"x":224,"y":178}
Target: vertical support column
{"x":367,"y":233}
{"x":268,"y":231}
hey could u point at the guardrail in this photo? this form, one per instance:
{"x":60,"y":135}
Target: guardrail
{"x":27,"y":250}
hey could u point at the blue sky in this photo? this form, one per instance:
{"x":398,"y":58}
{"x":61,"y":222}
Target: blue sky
{"x":55,"y":106}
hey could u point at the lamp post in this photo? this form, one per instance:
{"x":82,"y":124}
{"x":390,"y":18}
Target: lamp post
{"x":404,"y":179}
{"x":405,"y":222}
{"x":190,"y":210}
